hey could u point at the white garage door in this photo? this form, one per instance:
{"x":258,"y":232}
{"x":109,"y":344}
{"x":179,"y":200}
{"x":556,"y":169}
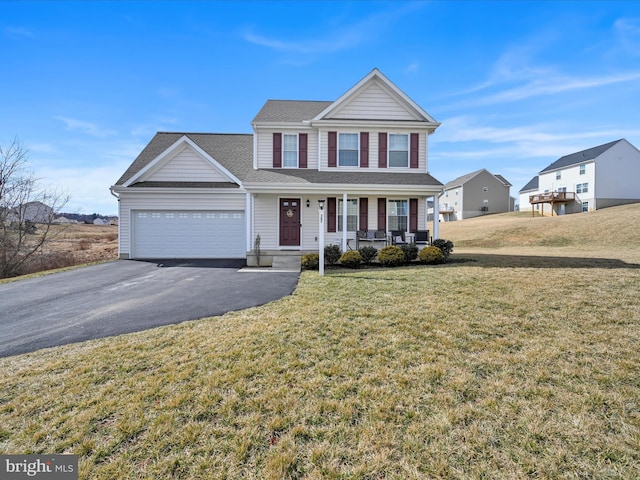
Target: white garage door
{"x":188,"y":234}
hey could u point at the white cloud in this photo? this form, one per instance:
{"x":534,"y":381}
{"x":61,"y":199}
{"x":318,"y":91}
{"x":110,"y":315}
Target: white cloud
{"x":86,"y":127}
{"x":340,"y":37}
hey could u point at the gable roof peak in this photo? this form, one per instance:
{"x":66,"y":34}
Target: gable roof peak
{"x":373,"y":76}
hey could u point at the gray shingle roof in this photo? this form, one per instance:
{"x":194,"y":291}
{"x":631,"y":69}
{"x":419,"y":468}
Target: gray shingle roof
{"x":580,"y":157}
{"x":289,"y":111}
{"x":462,"y":179}
{"x":503,"y":180}
{"x":235,"y":153}
{"x":531,"y":185}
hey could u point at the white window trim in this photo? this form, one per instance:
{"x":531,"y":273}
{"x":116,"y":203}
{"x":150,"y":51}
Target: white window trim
{"x":408,"y":213}
{"x":297,"y":165}
{"x":357,"y":134}
{"x":406,"y":134}
{"x":339,"y":214}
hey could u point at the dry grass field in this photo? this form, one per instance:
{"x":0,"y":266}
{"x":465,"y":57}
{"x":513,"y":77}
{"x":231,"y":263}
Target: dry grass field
{"x":87,"y":243}
{"x":516,"y":360}
{"x":70,"y":245}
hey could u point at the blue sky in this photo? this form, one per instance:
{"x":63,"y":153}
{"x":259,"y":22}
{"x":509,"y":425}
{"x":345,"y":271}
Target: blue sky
{"x":516,"y":85}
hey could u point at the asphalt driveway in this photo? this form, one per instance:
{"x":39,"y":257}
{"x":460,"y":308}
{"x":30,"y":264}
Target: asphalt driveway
{"x":126,"y":296}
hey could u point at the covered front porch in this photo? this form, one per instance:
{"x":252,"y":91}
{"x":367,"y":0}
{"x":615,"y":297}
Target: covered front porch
{"x":283,"y":225}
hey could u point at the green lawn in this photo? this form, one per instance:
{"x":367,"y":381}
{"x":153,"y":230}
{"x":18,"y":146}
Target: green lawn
{"x":488,"y":367}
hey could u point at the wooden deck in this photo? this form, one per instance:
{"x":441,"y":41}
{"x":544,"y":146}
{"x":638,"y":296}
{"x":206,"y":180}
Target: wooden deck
{"x":551,"y":198}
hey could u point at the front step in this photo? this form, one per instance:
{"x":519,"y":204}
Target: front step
{"x":286,"y":262}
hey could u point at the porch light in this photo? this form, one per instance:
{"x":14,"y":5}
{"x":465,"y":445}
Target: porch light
{"x":308,"y":203}
{"x":321,"y":203}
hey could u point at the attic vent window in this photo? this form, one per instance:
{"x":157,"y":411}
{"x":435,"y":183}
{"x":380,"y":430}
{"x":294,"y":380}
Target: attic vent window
{"x":485,"y":189}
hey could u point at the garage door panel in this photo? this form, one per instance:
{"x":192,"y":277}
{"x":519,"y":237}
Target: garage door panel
{"x":188,"y":234}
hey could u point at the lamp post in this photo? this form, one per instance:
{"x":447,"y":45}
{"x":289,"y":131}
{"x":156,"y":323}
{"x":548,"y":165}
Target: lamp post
{"x":321,"y":236}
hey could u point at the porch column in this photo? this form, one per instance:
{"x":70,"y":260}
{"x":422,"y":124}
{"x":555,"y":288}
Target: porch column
{"x":249,"y":223}
{"x":344,"y":222}
{"x":436,"y":218}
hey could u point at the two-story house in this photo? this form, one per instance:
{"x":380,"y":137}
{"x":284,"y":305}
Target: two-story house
{"x":598,"y":177}
{"x":214,"y":195}
{"x":474,"y":194}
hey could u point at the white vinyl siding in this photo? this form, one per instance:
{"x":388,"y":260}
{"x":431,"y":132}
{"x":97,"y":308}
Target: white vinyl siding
{"x":186,"y":166}
{"x":374,"y":103}
{"x":373,"y":149}
{"x":264,"y":148}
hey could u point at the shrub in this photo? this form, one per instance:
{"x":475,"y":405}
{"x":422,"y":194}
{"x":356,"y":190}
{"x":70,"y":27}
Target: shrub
{"x":311,"y":261}
{"x":445,"y":246}
{"x":391,"y":256}
{"x":368,"y":253}
{"x":431,"y":255}
{"x":332,"y":254}
{"x":410,"y":251}
{"x":351,"y":259}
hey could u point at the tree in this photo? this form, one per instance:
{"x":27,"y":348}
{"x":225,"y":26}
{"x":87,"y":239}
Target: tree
{"x":26,"y":210}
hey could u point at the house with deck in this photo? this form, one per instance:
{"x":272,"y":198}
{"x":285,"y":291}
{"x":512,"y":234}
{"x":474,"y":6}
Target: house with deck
{"x":591,"y":179}
{"x":250,"y":196}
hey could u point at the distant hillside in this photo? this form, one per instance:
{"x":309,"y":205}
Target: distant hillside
{"x":616,"y":226}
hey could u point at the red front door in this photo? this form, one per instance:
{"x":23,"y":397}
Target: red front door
{"x":290,"y":222}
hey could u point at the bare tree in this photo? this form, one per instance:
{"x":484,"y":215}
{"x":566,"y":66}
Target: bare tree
{"x":27,"y":210}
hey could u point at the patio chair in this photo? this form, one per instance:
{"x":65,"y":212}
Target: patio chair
{"x":380,"y":236}
{"x":398,"y":238}
{"x":364,"y":236}
{"x":422,"y":237}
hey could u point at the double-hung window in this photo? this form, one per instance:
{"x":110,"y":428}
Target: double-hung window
{"x":398,"y":150}
{"x":582,"y":188}
{"x":290,"y":151}
{"x":352,"y":215}
{"x":583,"y":169}
{"x":348,"y":150}
{"x":398,"y":215}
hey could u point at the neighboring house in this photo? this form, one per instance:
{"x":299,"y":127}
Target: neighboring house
{"x":212,"y":195}
{"x":101,"y":221}
{"x":34,"y":212}
{"x":591,"y":179}
{"x":474,"y":194}
{"x":525,"y":192}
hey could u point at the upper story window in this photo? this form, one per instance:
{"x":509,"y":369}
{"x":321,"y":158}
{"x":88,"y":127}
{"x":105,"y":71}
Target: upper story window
{"x":558,"y":175}
{"x":398,"y":150}
{"x":290,"y":151}
{"x":348,"y":150}
{"x":583,"y":169}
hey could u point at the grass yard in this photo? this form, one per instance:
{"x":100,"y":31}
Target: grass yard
{"x":501,"y":364}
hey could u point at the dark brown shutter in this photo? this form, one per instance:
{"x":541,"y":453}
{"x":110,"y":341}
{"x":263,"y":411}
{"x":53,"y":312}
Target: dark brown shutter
{"x":302,"y":150}
{"x":382,"y":150}
{"x":277,"y":150}
{"x":331,"y":214}
{"x":364,"y":214}
{"x":333,"y":149}
{"x":364,"y":149}
{"x":382,"y":214}
{"x":414,"y":151}
{"x":413,"y":215}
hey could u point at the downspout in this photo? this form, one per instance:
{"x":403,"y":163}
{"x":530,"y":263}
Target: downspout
{"x":436,"y":217}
